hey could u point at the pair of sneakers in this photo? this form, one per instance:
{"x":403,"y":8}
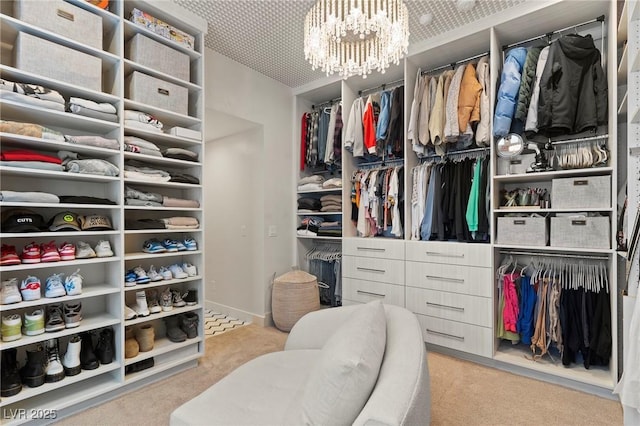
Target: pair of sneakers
{"x":61,"y":316}
{"x":140,"y":308}
{"x":56,"y":287}
{"x":136,"y":276}
{"x":36,"y":253}
{"x":85,"y":251}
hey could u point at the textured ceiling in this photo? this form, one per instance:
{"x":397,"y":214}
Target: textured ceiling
{"x":267,"y":35}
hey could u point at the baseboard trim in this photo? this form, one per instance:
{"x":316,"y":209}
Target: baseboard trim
{"x":265,"y":320}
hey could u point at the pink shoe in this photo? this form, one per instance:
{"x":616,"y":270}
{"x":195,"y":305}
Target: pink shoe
{"x":49,"y":252}
{"x":67,"y":251}
{"x":31,"y":253}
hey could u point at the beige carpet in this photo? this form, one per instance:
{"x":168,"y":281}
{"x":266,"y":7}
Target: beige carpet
{"x":462,"y":393}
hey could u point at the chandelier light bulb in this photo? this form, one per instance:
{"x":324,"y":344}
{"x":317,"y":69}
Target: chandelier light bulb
{"x":356,"y":37}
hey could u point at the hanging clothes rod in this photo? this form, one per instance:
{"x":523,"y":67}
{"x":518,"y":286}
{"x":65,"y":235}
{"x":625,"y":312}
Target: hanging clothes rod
{"x":381,"y":164}
{"x":384,"y":86}
{"x":460,"y":153}
{"x":542,"y":254}
{"x":550,"y":34}
{"x":585,"y":139}
{"x":452,"y":65}
{"x":329,"y":102}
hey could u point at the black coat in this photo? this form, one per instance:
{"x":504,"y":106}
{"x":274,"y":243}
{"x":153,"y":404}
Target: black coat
{"x":573,"y":87}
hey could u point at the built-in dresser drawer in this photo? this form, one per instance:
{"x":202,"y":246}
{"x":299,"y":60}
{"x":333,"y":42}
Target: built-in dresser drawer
{"x":453,"y":278}
{"x":366,"y":291}
{"x":449,"y":253}
{"x":457,"y":335}
{"x":371,"y":269}
{"x":451,"y":306}
{"x":369,"y":247}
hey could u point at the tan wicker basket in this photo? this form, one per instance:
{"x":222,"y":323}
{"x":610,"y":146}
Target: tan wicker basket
{"x":294,"y":295}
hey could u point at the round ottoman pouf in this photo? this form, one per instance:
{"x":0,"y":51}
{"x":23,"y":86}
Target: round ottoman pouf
{"x":294,"y":295}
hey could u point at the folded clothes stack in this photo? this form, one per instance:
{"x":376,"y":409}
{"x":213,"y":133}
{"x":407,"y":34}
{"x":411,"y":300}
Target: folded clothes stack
{"x":31,"y":94}
{"x":91,"y":140}
{"x":29,"y":159}
{"x":309,"y":204}
{"x":140,"y":171}
{"x":330,"y":229}
{"x":88,"y":108}
{"x":135,"y":197}
{"x":184,"y":178}
{"x":31,"y":130}
{"x":180,"y":154}
{"x":309,"y":226}
{"x":181,"y":222}
{"x":310,"y":183}
{"x":141,"y":146}
{"x":74,"y":163}
{"x":332,"y":183}
{"x":331,"y":203}
{"x":28,"y":197}
{"x":141,"y":120}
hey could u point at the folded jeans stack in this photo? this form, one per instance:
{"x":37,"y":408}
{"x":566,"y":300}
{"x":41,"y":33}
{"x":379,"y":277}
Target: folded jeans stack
{"x":330,"y":229}
{"x":88,"y":108}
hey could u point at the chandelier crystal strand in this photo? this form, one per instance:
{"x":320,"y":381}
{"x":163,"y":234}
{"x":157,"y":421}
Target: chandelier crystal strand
{"x":356,"y":37}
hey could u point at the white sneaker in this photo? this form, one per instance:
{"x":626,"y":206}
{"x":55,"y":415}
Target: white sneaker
{"x":103,"y":249}
{"x":141,"y":307}
{"x":10,"y":292}
{"x":73,"y":284}
{"x":54,"y":286}
{"x":166,"y":274}
{"x":190,"y":269}
{"x":153,"y":275}
{"x":177,"y":271}
{"x":129,"y":313}
{"x":84,"y":251}
{"x":30,"y":288}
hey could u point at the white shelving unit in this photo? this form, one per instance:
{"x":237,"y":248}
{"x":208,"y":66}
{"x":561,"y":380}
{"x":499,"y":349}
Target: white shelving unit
{"x":104,"y":293}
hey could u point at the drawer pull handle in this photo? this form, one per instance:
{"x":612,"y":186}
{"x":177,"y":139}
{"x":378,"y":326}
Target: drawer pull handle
{"x":437,"y":305}
{"x":371,"y":249}
{"x":370,"y":293}
{"x":450,"y":336}
{"x":435,"y":253}
{"x":453,"y":280}
{"x":66,"y":15}
{"x":163,"y":91}
{"x":380,"y":271}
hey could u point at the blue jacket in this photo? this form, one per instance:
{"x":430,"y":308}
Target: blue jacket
{"x":508,"y":92}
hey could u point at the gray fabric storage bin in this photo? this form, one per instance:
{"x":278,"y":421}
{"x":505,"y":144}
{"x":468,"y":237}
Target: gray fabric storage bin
{"x":39,"y":56}
{"x":588,"y":232}
{"x":581,"y":192}
{"x":62,"y":18}
{"x":522,"y":231}
{"x":158,"y":93}
{"x":160,"y":57}
{"x":515,"y":166}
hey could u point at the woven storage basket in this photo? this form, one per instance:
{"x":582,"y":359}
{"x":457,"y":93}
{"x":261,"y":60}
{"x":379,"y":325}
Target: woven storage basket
{"x":294,"y":295}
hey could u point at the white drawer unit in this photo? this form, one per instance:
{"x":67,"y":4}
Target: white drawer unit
{"x":451,"y":306}
{"x":371,"y":269}
{"x":452,"y":278}
{"x":457,"y":335}
{"x":366,"y":291}
{"x":368,"y":247}
{"x":450,"y":253}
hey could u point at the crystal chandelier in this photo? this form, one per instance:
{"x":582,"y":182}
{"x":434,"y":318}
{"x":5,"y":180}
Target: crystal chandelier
{"x":356,"y":37}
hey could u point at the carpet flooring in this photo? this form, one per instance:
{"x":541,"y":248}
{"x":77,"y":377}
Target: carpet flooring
{"x":462,"y":393}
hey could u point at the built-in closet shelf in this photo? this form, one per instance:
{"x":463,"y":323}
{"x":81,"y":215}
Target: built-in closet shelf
{"x":28,"y":392}
{"x":623,"y":25}
{"x":88,"y":322}
{"x":160,"y":137}
{"x":622,"y":68}
{"x":318,"y":213}
{"x":635,"y":116}
{"x":161,"y":346}
{"x":131,"y":66}
{"x":49,"y":174}
{"x":131,"y":29}
{"x":16,"y":111}
{"x":161,"y":231}
{"x":517,"y":355}
{"x":57,"y":234}
{"x":61,"y":205}
{"x":162,"y":184}
{"x":77,"y":262}
{"x":164,"y":209}
{"x":19,"y":141}
{"x":622,"y":110}
{"x":151,"y":317}
{"x":311,"y":237}
{"x":143,"y":255}
{"x":112,"y":19}
{"x":167,"y":118}
{"x":163,"y":161}
{"x":159,"y":368}
{"x":547,"y":176}
{"x":20,"y":76}
{"x":162,"y":283}
{"x":552,"y":210}
{"x":543,"y":249}
{"x":88,"y":291}
{"x":321,"y":191}
{"x":11,"y":26}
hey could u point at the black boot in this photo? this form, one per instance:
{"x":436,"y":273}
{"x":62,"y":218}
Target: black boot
{"x":189,"y":324}
{"x":11,"y":383}
{"x":104,"y":348}
{"x":88,"y":359}
{"x":33,"y":372}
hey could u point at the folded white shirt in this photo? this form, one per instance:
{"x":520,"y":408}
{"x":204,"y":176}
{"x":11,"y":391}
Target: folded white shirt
{"x":101,"y":107}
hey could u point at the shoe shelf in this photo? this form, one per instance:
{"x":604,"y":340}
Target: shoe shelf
{"x":163,"y":314}
{"x":162,"y":184}
{"x":131,"y":29}
{"x":548,"y":176}
{"x":164,"y":161}
{"x":57,"y":235}
{"x":163,"y":138}
{"x":161,"y":346}
{"x":12,"y":140}
{"x":88,"y":290}
{"x":131,"y":66}
{"x":168,"y":118}
{"x":167,"y":209}
{"x":28,"y":392}
{"x":88,"y":322}
{"x":62,"y":206}
{"x":554,"y":249}
{"x":162,"y":231}
{"x":158,"y":368}
{"x":143,"y":255}
{"x":162,"y":283}
{"x":41,"y":265}
{"x":49,"y":174}
{"x":52,"y":118}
